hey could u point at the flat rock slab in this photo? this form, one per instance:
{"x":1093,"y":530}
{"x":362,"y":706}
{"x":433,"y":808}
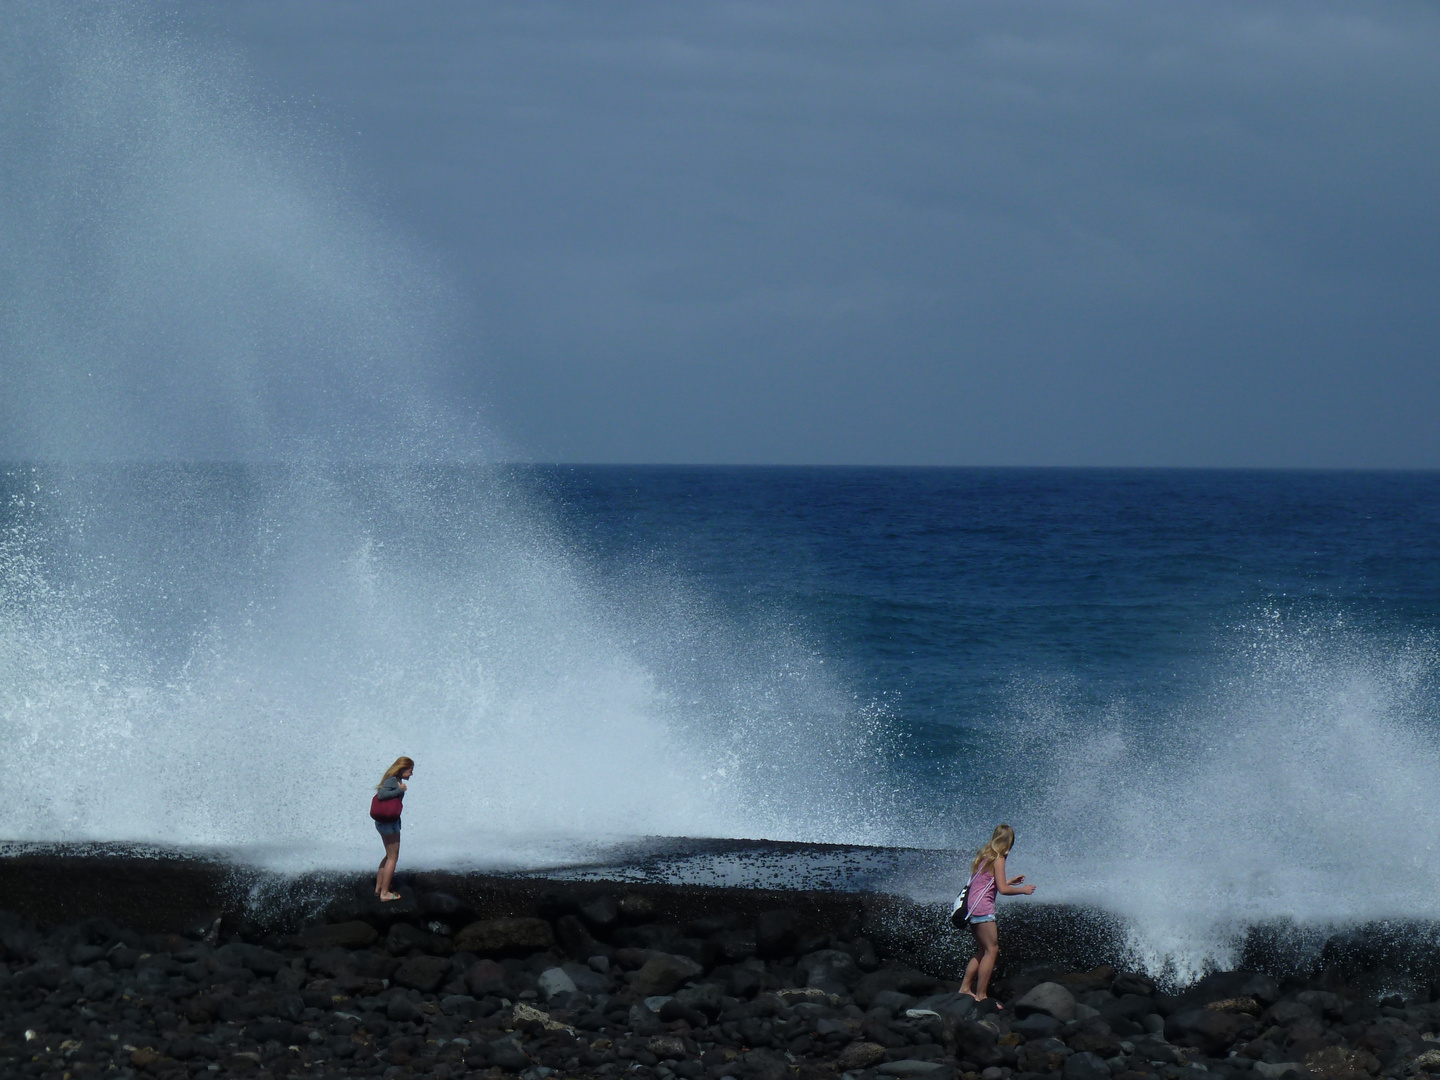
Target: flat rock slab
{"x":909,"y":1067}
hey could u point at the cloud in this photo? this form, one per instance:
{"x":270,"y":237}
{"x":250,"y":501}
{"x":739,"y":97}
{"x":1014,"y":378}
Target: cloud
{"x":1030,"y":233}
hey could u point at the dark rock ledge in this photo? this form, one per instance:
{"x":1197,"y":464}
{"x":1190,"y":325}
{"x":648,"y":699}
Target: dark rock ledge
{"x":479,"y":977}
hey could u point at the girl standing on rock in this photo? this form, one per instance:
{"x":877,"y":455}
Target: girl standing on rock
{"x":987,"y":878}
{"x":385,"y":809}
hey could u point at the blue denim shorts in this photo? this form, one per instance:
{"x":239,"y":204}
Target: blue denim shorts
{"x":980,"y":918}
{"x":388,"y":828}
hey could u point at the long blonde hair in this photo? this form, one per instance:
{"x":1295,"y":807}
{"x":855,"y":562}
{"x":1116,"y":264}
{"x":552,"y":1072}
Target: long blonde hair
{"x":401,"y":764}
{"x":999,"y":845}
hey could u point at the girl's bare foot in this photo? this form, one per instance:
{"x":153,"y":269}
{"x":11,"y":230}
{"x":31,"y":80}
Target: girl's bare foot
{"x":385,"y":898}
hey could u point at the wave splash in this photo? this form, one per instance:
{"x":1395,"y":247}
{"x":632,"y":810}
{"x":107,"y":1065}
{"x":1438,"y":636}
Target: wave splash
{"x":229,"y":655}
{"x":1297,"y":792}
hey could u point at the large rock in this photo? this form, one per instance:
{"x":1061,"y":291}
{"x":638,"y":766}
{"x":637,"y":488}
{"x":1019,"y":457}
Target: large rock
{"x":1093,"y":1037}
{"x":1150,"y":1048}
{"x":830,"y":970}
{"x":1086,"y":1066}
{"x":587,"y":980}
{"x":1042,"y":1056}
{"x":446,"y":908}
{"x":908,"y":1067}
{"x":951,"y":1007}
{"x":1275,"y":1070}
{"x":764,"y":1065}
{"x":973,"y":1041}
{"x":1389,"y":1039}
{"x":506,"y":1054}
{"x":423,"y":973}
{"x":259,"y":960}
{"x":860,"y":1055}
{"x":729,"y":947}
{"x":1126,"y":1015}
{"x":578,"y":941}
{"x":1221,"y":985}
{"x":404,"y":938}
{"x":486,"y":977}
{"x":1049,"y":998}
{"x":1037,"y":1026}
{"x":1211,"y":1030}
{"x":555,"y":981}
{"x":600,"y":913}
{"x":666,"y":1047}
{"x":462,"y":1005}
{"x":905,"y":980}
{"x":776,"y":933}
{"x":511,"y":936}
{"x":664,"y":973}
{"x":707,"y":998}
{"x":1322,"y":1002}
{"x":1132,"y":982}
{"x":384,"y":912}
{"x":1285,"y":1013}
{"x":345,"y":935}
{"x":641,"y":1021}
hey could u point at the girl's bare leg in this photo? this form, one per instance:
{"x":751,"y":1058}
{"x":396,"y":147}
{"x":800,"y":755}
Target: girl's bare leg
{"x":987,"y":936}
{"x":967,"y":985}
{"x":386,"y":873}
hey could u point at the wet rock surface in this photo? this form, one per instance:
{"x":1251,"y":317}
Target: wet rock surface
{"x":605,"y":985}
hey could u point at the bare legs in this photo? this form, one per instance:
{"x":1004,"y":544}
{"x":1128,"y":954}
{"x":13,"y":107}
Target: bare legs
{"x":386,"y":873}
{"x":982,"y":964}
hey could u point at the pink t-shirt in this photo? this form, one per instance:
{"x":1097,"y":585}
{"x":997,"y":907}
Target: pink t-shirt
{"x":982,"y":891}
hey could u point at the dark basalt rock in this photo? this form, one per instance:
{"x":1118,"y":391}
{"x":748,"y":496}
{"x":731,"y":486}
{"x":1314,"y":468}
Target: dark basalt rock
{"x":776,"y":933}
{"x":370,"y":996}
{"x":505,"y":937}
{"x":423,"y":973}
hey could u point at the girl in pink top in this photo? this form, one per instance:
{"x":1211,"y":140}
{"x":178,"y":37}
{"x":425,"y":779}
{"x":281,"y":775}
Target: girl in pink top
{"x":987,"y":878}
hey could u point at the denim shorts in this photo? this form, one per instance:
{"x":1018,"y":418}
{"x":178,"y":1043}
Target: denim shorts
{"x":388,"y":828}
{"x":980,"y":918}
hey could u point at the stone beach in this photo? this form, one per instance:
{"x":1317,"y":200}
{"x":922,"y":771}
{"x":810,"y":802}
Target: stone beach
{"x":601,"y":981}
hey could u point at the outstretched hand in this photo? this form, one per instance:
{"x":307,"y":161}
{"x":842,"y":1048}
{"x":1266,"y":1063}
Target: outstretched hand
{"x":1027,"y":889}
{"x":1015,"y":880}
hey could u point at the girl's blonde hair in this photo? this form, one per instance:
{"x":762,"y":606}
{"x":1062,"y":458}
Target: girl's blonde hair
{"x":401,"y":764}
{"x":1001,"y":841}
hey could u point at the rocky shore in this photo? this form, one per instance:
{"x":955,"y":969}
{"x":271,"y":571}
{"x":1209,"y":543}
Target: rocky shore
{"x":603,"y":982}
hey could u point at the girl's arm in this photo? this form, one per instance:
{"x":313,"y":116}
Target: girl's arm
{"x":1009,"y":888}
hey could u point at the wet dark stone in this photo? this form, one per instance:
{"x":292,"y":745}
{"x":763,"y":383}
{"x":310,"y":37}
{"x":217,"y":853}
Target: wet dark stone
{"x":506,"y":1055}
{"x":404,"y":939}
{"x":601,"y":913}
{"x":423,"y":973}
{"x":776,"y":933}
{"x":401,"y":1009}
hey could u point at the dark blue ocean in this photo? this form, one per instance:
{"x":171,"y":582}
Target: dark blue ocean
{"x":1202,"y":698}
{"x":939,"y":591}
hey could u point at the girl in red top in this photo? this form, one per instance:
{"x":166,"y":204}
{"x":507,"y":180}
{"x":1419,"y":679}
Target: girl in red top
{"x":391,"y":786}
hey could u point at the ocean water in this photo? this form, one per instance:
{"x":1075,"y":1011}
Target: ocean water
{"x":1204,"y":700}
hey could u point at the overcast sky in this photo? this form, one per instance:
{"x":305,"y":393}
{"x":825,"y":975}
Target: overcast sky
{"x":1059,"y":233}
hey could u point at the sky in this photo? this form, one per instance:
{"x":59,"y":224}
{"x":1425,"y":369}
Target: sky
{"x":900,"y":233}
